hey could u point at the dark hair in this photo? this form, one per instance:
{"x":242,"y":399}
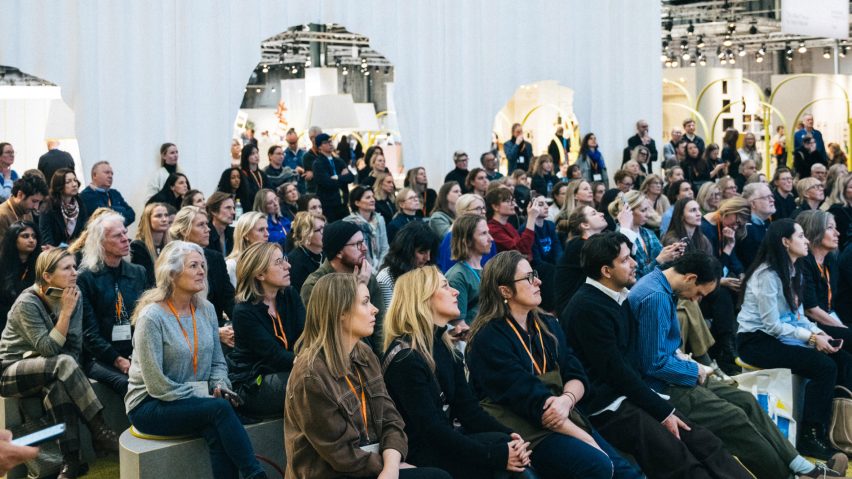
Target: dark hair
{"x":3,"y":146}
{"x":356,"y":194}
{"x":57,"y":186}
{"x":620,"y":175}
{"x":29,"y":185}
{"x":706,"y":267}
{"x":677,"y":230}
{"x":674,"y":190}
{"x":774,"y":255}
{"x":481,"y":157}
{"x":411,"y":238}
{"x":187,"y":198}
{"x":225,"y":182}
{"x":304,"y":200}
{"x":368,"y":155}
{"x":601,"y":250}
{"x":441,"y":204}
{"x":247,"y":150}
{"x":730,"y":138}
{"x":163,"y":149}
{"x":584,"y":145}
{"x":10,"y":263}
{"x":171,"y":180}
{"x":468,"y":182}
{"x":576,"y":220}
{"x":569,"y":173}
{"x":495,"y":197}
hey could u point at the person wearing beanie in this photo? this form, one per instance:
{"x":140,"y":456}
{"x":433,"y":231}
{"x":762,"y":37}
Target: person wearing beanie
{"x":346,"y":252}
{"x":332,"y":178}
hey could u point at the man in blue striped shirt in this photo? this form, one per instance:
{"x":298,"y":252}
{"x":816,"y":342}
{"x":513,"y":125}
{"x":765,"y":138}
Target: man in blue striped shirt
{"x":733,"y":415}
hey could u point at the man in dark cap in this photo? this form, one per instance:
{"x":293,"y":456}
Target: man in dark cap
{"x":332,"y":178}
{"x":345,"y":252}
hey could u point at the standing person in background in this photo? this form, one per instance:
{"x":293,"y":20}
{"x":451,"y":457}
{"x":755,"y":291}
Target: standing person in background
{"x":294,"y":158}
{"x":591,"y":160}
{"x":309,"y":157}
{"x":518,"y":151}
{"x":8,"y":176}
{"x":730,"y":156}
{"x":444,"y":213}
{"x":690,"y":136}
{"x":459,"y":173}
{"x":785,"y":199}
{"x":749,"y":150}
{"x":64,"y":216}
{"x":220,"y":207}
{"x":807,"y":155}
{"x":168,"y":166}
{"x":669,"y":155}
{"x":151,"y":237}
{"x":489,"y":162}
{"x":253,"y":178}
{"x":100,"y":193}
{"x":554,"y":147}
{"x":779,"y":146}
{"x":809,"y":130}
{"x":306,"y":255}
{"x":236,"y":147}
{"x":642,"y":138}
{"x":384,"y":189}
{"x":332,"y":178}
{"x":54,"y":159}
{"x":836,"y":155}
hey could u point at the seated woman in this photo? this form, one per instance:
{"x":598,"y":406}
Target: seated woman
{"x":583,"y":223}
{"x":526,"y":377}
{"x":471,"y":240}
{"x":543,"y":179}
{"x":176,"y":186}
{"x":384,"y":190}
{"x":151,"y":237}
{"x":40,"y":355}
{"x":409,"y":209}
{"x":251,"y":228}
{"x":306,"y":255}
{"x":253,"y":178}
{"x":647,"y":250}
{"x":441,"y":218}
{"x":811,"y":195}
{"x":64,"y":216}
{"x":268,"y":319}
{"x":231,"y":182}
{"x":288,"y":198}
{"x":467,"y":204}
{"x":773,"y":332}
{"x":415,"y":246}
{"x":193,"y":198}
{"x":425,"y":377}
{"x":557,"y":194}
{"x":18,"y":252}
{"x":652,"y":188}
{"x":362,"y":203}
{"x":501,"y":205}
{"x":178,"y":377}
{"x":578,"y":194}
{"x":277,"y":226}
{"x":338,"y":417}
{"x":374,"y":163}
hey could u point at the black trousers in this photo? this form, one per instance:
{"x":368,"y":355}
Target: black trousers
{"x":457,"y":465}
{"x":824,"y":370}
{"x":698,"y":454}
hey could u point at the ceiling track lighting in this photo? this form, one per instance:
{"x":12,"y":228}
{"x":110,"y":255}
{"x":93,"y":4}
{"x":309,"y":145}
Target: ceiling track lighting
{"x":826,"y":53}
{"x":700,"y":42}
{"x":702,"y":60}
{"x":842,"y":52}
{"x":802,"y":47}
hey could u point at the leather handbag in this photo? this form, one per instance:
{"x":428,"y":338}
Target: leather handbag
{"x":840,"y":430}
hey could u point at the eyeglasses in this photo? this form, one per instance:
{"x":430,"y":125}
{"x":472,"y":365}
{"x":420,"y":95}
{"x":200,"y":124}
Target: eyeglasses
{"x":320,"y":229}
{"x":357,"y":244}
{"x":530,"y":277}
{"x":280,"y":261}
{"x":819,"y":187}
{"x":767,"y":197}
{"x":411,"y":198}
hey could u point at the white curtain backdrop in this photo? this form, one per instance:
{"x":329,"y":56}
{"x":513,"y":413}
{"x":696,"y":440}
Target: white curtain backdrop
{"x":141,"y":73}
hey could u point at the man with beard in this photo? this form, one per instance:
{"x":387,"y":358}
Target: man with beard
{"x":345,"y":252}
{"x":620,"y":405}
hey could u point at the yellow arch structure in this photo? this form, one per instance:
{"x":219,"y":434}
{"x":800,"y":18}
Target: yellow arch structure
{"x":688,"y":108}
{"x":745,"y":80}
{"x":681,"y":88}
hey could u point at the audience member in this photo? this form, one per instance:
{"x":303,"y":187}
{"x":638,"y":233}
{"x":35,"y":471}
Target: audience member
{"x":652,"y":188}
{"x":414,"y":247}
{"x":306,"y":255}
{"x":362,"y":202}
{"x":643,"y":138}
{"x":644,"y":245}
{"x":807,"y":155}
{"x":785,"y":199}
{"x":408,"y":205}
{"x":800,"y":136}
{"x":836,"y":155}
{"x":178,"y":378}
{"x":762,"y":204}
{"x":288,"y":200}
{"x":834,"y":173}
{"x":19,"y":250}
{"x":686,"y":227}
{"x":728,"y":187}
{"x":231,"y":182}
{"x":309,"y":157}
{"x":168,"y":166}
{"x":310,"y":203}
{"x":151,"y":237}
{"x":624,"y":180}
{"x":193,"y":198}
{"x":220,"y":207}
{"x":466,"y":204}
{"x":749,"y":150}
{"x":690,"y":136}
{"x":55,"y":159}
{"x":547,"y":247}
{"x":747,"y":169}
{"x":500,"y":206}
{"x":251,"y":228}
{"x":489,"y":163}
{"x":559,"y":148}
{"x":518,"y":151}
{"x":384,"y":190}
{"x":678,"y":190}
{"x":459,"y":173}
{"x":173,"y":191}
{"x":471,"y":241}
{"x":542,"y":174}
{"x":558,"y":195}
{"x":27,"y":195}
{"x":839,"y":204}
{"x":8,"y":176}
{"x":266,"y":202}
{"x":375,"y":164}
{"x":709,"y":197}
{"x":332,"y":178}
{"x":669,"y":148}
{"x":276,"y":172}
{"x":441,"y":218}
{"x":819,"y":171}
{"x":100,"y":194}
{"x":583,"y":223}
{"x":252,"y":179}
{"x":591,"y":160}
{"x":476,"y":181}
{"x":730,"y":156}
{"x":578,"y":194}
{"x":811,"y":195}
{"x":64,"y":215}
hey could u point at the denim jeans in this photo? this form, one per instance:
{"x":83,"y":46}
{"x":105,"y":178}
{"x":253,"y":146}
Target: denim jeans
{"x":109,"y":375}
{"x":561,"y":456}
{"x":214,"y":419}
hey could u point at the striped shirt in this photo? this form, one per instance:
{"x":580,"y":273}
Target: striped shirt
{"x":654,"y":307}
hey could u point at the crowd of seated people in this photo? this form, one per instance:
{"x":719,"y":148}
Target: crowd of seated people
{"x":537,"y":324}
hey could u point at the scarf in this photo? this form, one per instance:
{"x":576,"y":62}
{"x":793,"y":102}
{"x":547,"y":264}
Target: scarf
{"x":597,"y":159}
{"x":70,"y":211}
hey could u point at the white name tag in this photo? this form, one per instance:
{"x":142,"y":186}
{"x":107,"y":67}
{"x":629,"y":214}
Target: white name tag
{"x":200,"y":389}
{"x":597,"y":177}
{"x":374,"y":448}
{"x":121,"y":332}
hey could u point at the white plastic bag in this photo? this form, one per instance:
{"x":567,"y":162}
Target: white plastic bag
{"x":776,"y":392}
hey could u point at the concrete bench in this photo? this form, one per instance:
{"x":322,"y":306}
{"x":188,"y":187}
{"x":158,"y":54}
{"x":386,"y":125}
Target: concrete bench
{"x":156,"y":459}
{"x":12,"y":414}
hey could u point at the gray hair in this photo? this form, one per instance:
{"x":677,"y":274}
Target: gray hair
{"x":752,"y":189}
{"x":169,"y":265}
{"x":813,"y":223}
{"x":93,"y":248}
{"x":314,"y":131}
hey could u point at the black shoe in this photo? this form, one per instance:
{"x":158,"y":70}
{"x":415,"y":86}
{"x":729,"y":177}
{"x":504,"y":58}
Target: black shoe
{"x":813,"y":443}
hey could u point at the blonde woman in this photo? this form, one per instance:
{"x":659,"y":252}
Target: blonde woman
{"x":467,"y":204}
{"x":709,"y":197}
{"x":277,"y":226}
{"x":151,"y":237}
{"x":338,"y":417}
{"x":251,"y":228}
{"x":749,"y":150}
{"x":839,"y":204}
{"x":384,"y":188}
{"x":811,"y":195}
{"x":268,"y":319}
{"x":579,"y":193}
{"x":426,"y":379}
{"x":652,"y":188}
{"x":646,"y":248}
{"x":306,"y":255}
{"x":408,"y":206}
{"x":727,"y":187}
{"x":178,"y":377}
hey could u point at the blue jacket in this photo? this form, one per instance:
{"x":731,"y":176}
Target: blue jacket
{"x":546,"y":246}
{"x":444,"y":260}
{"x":97,"y":198}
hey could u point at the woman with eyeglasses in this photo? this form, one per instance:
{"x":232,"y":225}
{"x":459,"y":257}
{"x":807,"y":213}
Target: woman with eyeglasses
{"x":251,"y":228}
{"x":64,"y":216}
{"x":811,"y":195}
{"x":526,"y":377}
{"x":501,"y":205}
{"x":728,"y":187}
{"x":652,"y":188}
{"x":306,"y":255}
{"x":268,"y":320}
{"x":417,"y":180}
{"x":709,"y":197}
{"x":288,"y":199}
{"x":408,"y":206}
{"x":18,"y":253}
{"x":467,"y":204}
{"x":362,"y":203}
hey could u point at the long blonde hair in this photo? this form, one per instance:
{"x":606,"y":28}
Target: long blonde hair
{"x":145,"y":233}
{"x":333,"y":297}
{"x":570,"y":201}
{"x":170,"y":264}
{"x":256,"y":259}
{"x":241,"y":231}
{"x":183,"y":221}
{"x":410,"y":312}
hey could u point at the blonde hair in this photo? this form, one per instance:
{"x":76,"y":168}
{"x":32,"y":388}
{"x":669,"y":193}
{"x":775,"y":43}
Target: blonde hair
{"x":400,"y":197}
{"x":378,"y":192}
{"x":241,"y":231}
{"x":303,"y":227}
{"x":169,"y":265}
{"x":47,"y":263}
{"x":410,"y":312}
{"x":260,"y":200}
{"x":145,"y":233}
{"x":333,"y":297}
{"x":464,"y":205}
{"x":570,"y":202}
{"x":803,"y":186}
{"x":704,"y":194}
{"x":183,"y":222}
{"x":256,"y":259}
{"x":463,"y":229}
{"x":80,"y":242}
{"x":838,"y":192}
{"x":634,"y":200}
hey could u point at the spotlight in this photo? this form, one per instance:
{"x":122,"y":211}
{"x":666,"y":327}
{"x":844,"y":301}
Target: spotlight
{"x":366,"y":73}
{"x":294,"y":70}
{"x":702,"y":60}
{"x":802,"y":47}
{"x":719,"y":53}
{"x":337,"y":62}
{"x":690,"y":29}
{"x":308,"y":63}
{"x":684,"y":43}
{"x":732,"y":26}
{"x":826,"y":53}
{"x":758,"y":58}
{"x":788,"y":50}
{"x":723,"y":60}
{"x":265,"y":68}
{"x":273,"y":89}
{"x":663,"y":57}
{"x":668,"y":63}
{"x":685,"y":55}
{"x":762,"y":49}
{"x":692,"y":62}
{"x":842,"y":51}
{"x":741,"y":51}
{"x":345,"y":70}
{"x":675,"y":64}
{"x":727,"y":42}
{"x":700,"y":42}
{"x":732,"y":59}
{"x":257,"y":90}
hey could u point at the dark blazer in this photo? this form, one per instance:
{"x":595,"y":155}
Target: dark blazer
{"x":140,"y":256}
{"x":569,"y":272}
{"x":248,"y":193}
{"x":635,"y":141}
{"x":458,"y":175}
{"x":93,"y":200}
{"x":51,"y":224}
{"x":330,"y":191}
{"x":53,"y":160}
{"x":601,"y":332}
{"x":220,"y":291}
{"x":167,"y":197}
{"x":214,"y":239}
{"x":401,"y":219}
{"x":302,"y":264}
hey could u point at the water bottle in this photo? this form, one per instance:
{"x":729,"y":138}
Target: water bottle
{"x":238,"y":208}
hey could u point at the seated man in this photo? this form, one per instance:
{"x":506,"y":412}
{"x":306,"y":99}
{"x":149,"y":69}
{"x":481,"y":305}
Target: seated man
{"x":100,"y":193}
{"x":110,"y":288}
{"x":27,"y":194}
{"x":627,"y":412}
{"x":731,"y":414}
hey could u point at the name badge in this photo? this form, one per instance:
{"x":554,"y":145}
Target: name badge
{"x":200,"y":389}
{"x":373,"y":448}
{"x":121,"y":332}
{"x":597,"y":177}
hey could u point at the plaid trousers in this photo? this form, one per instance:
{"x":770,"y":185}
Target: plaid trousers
{"x":66,"y":392}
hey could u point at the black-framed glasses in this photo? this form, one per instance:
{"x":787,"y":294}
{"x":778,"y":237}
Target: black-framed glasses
{"x":357,"y":244}
{"x":529,"y":277}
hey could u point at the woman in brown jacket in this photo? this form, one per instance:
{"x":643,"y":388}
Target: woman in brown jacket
{"x":339,"y":420}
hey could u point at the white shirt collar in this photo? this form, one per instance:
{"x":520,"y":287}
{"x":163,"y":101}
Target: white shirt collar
{"x":617,"y":296}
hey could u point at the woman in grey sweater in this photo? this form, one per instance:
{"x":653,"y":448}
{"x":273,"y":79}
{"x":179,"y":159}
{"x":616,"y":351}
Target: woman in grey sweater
{"x":178,"y":378}
{"x":40,"y":352}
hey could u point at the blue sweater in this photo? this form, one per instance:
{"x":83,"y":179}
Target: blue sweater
{"x":546,"y":246}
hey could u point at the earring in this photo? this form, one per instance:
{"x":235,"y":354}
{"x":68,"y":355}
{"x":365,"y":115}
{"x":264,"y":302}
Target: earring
{"x":505,"y":301}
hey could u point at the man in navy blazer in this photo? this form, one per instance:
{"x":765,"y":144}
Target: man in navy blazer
{"x":331,"y":177}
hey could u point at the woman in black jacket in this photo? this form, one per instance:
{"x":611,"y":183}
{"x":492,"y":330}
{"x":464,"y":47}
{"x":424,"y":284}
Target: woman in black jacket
{"x":306,"y":255}
{"x":253,"y":178}
{"x":425,"y":378}
{"x":65,"y":217}
{"x":173,"y":191}
{"x":18,"y":253}
{"x":268,"y":319}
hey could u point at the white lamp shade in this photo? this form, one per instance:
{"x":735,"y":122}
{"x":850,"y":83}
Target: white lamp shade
{"x":367,"y":120}
{"x":332,"y":112}
{"x":60,"y":121}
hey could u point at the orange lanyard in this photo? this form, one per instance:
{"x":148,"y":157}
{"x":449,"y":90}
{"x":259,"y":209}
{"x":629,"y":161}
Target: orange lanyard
{"x":719,"y":231}
{"x":425,"y":195}
{"x":363,"y":400}
{"x":823,"y":270}
{"x":538,"y":369}
{"x":258,"y":178}
{"x":186,"y":336}
{"x":278,"y":329}
{"x":119,"y":305}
